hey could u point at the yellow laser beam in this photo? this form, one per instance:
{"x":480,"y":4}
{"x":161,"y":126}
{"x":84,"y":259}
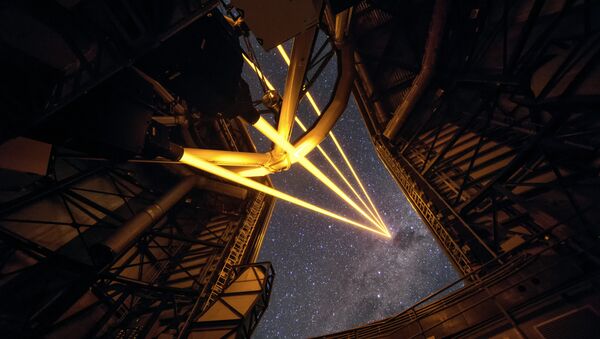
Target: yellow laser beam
{"x":347,"y":161}
{"x":315,"y":107}
{"x":341,"y":175}
{"x":206,"y":166}
{"x":283,"y":54}
{"x":380,"y":223}
{"x":270,"y":132}
{"x":286,"y":58}
{"x":375,"y":215}
{"x":258,"y":72}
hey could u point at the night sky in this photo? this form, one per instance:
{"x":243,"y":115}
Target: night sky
{"x":331,"y":276}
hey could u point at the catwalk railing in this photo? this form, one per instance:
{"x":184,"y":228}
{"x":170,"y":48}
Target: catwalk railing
{"x":426,"y":210}
{"x":502,"y":294}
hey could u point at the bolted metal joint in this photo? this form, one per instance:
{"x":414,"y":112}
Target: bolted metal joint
{"x":272,"y":100}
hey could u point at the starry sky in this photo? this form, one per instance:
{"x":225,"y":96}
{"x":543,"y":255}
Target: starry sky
{"x":331,"y":276}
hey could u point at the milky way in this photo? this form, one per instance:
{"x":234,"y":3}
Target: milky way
{"x":331,"y":276}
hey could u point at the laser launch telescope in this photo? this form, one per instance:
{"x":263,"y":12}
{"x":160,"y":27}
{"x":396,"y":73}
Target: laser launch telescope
{"x":134,"y":203}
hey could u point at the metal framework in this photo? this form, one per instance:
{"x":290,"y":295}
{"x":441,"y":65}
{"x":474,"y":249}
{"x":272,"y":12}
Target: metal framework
{"x":284,"y":154}
{"x":240,"y":306}
{"x":504,"y":300}
{"x":507,"y":139}
{"x":98,"y":247}
{"x":496,"y":147}
{"x":260,"y":164}
{"x":125,"y":255}
{"x":173,"y":270}
{"x":117,"y":33}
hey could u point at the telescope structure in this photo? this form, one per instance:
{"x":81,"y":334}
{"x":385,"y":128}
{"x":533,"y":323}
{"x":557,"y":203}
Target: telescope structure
{"x":134,"y":203}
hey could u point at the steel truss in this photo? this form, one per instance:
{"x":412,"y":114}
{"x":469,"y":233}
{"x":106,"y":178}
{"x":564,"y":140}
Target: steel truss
{"x":56,"y":275}
{"x":505,"y":144}
{"x":498,"y":297}
{"x":181,"y":261}
{"x":103,"y":38}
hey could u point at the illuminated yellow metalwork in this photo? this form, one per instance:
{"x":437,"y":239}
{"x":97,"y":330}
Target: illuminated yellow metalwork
{"x":225,"y":158}
{"x":250,"y":172}
{"x":270,"y":132}
{"x":286,"y":58}
{"x":208,"y":161}
{"x":206,"y":166}
{"x":341,"y":175}
{"x":373,"y":213}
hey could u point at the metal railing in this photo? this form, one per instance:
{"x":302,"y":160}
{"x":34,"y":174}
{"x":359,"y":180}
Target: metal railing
{"x":425,"y":208}
{"x":486,"y":287}
{"x":234,"y":257}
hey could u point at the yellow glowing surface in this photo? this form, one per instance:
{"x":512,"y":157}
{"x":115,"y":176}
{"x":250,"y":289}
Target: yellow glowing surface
{"x":372,"y":210}
{"x":206,"y":166}
{"x":251,"y":172}
{"x":380,"y":224}
{"x":228,"y":157}
{"x":286,"y":58}
{"x":258,"y":72}
{"x":284,"y":55}
{"x":270,"y":132}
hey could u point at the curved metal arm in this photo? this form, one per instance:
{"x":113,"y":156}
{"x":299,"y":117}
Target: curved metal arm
{"x":317,"y":133}
{"x":260,"y":164}
{"x":420,"y":83}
